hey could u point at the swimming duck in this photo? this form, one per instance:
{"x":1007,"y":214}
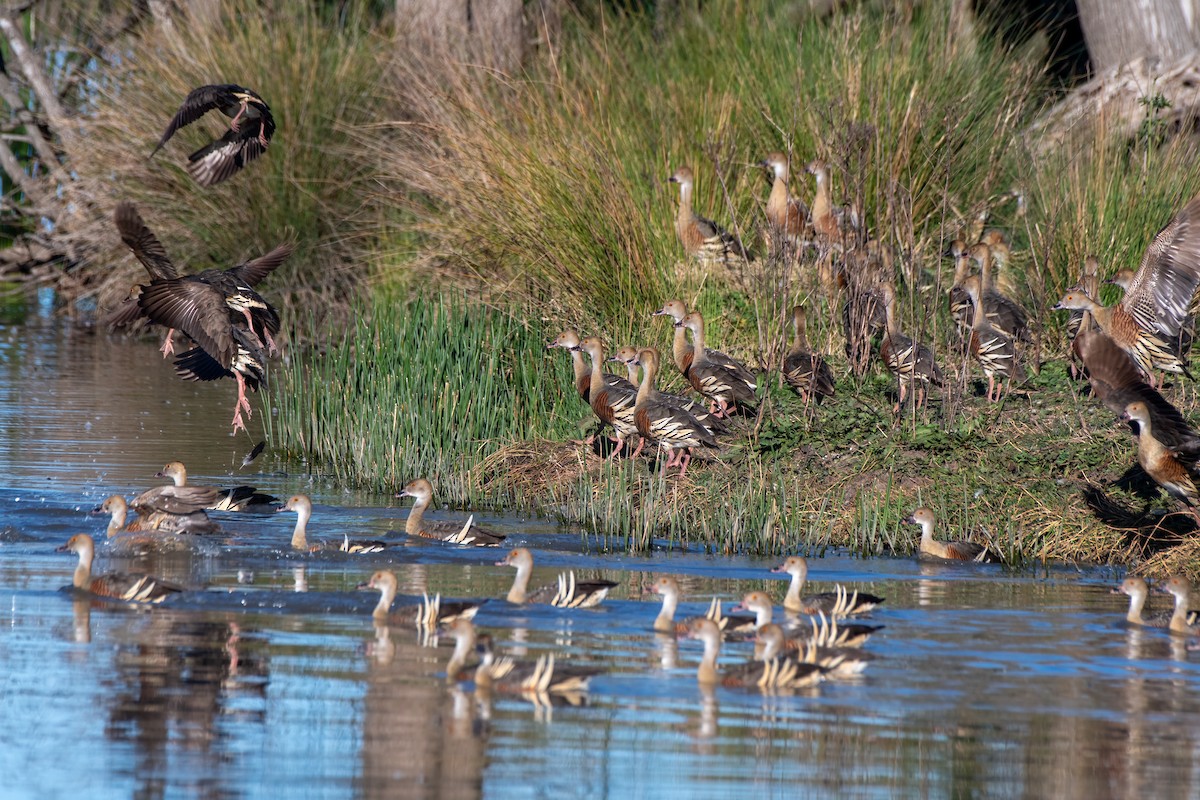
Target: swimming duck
{"x":430,"y":611}
{"x":778,"y":673}
{"x":545,"y":676}
{"x":241,"y":144}
{"x":469,"y":533}
{"x":837,"y":603}
{"x":1138,"y":591}
{"x":153,"y":519}
{"x":671,"y":427}
{"x":1149,"y":320}
{"x":911,"y":362}
{"x":995,"y":351}
{"x":839,"y":661}
{"x":612,"y":405}
{"x":805,"y":371}
{"x":725,"y":386}
{"x":1161,"y":463}
{"x":302,"y":505}
{"x":702,"y":238}
{"x":952,"y":551}
{"x":668,"y":588}
{"x":568,"y":593}
{"x":239,"y":498}
{"x":462,"y":630}
{"x":1178,"y":586}
{"x":787,"y":215}
{"x":132,"y":587}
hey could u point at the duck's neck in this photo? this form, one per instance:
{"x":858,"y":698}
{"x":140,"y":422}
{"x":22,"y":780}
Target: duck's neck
{"x":680,"y":347}
{"x":597,"y":385}
{"x":83,"y":570}
{"x":1136,"y":601}
{"x":647,"y":386}
{"x":180,"y":477}
{"x":821,"y":205}
{"x":889,"y":309}
{"x":762,"y":615}
{"x":707,"y":671}
{"x":300,"y":533}
{"x":927,"y":536}
{"x":985,"y":272}
{"x":387,"y":593}
{"x":684,"y":217}
{"x":799,"y":340}
{"x":416,"y":517}
{"x":698,"y":342}
{"x":1179,"y":617}
{"x":770,"y":648}
{"x":117,"y":522}
{"x":792,"y":599}
{"x":581,"y":371}
{"x":777,"y":202}
{"x":631,"y":372}
{"x":520,"y":585}
{"x":665,"y":621}
{"x":962,"y":265}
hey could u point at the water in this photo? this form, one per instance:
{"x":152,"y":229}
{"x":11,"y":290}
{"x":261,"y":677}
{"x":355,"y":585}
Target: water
{"x":270,"y":678}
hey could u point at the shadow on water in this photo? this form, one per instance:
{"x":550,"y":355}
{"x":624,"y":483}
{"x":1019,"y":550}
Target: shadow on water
{"x":269,"y":677}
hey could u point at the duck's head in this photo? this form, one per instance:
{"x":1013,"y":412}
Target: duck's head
{"x":420,"y":489}
{"x":922,"y":516}
{"x":567,"y":340}
{"x":672,"y":308}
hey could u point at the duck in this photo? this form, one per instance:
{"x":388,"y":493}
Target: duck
{"x":1149,"y":320}
{"x":153,"y":257}
{"x":1002,"y":259}
{"x":569,"y":340}
{"x":805,"y":371}
{"x":778,"y":673}
{"x":682,"y":351}
{"x":568,"y":593}
{"x":251,"y":127}
{"x":950,"y":551}
{"x":838,"y":661}
{"x":838,"y":603}
{"x":911,"y":362}
{"x":612,"y":405}
{"x":1165,"y":466}
{"x":787,"y":215}
{"x":838,"y":225}
{"x":430,"y":611}
{"x":671,"y":427}
{"x":1002,"y":312}
{"x":994,"y":350}
{"x":152,"y":519}
{"x":132,"y":588}
{"x":1089,"y":284}
{"x":961,"y":310}
{"x":827,"y":632}
{"x":239,"y":498}
{"x":629,"y":357}
{"x":1117,"y":381}
{"x":1187,"y":330}
{"x":1178,"y":586}
{"x":726,"y":387}
{"x":302,"y":505}
{"x":469,"y":533}
{"x":462,"y":630}
{"x":668,"y":588}
{"x":864,"y":318}
{"x":702,"y":238}
{"x":546,"y":676}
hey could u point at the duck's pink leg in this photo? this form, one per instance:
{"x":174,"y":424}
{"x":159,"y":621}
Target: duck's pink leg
{"x":168,"y":345}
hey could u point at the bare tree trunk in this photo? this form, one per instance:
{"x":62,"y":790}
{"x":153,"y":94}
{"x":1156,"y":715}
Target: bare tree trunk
{"x":1121,"y":31}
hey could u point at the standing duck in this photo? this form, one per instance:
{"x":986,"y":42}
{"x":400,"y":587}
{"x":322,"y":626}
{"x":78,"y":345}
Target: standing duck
{"x":629,"y":357}
{"x":778,"y":673}
{"x":837,"y":603}
{"x":805,"y":371}
{"x":837,"y":225}
{"x":568,"y":593}
{"x":421,"y":491}
{"x":961,"y":309}
{"x":302,"y":505}
{"x":1002,"y":312}
{"x":702,"y":238}
{"x":1165,"y":466}
{"x":1149,"y":320}
{"x":251,"y":127}
{"x":569,"y":341}
{"x":910,"y":361}
{"x":682,"y":351}
{"x":150,"y":518}
{"x":992,"y":349}
{"x":725,"y":386}
{"x":787,"y":215}
{"x":613,"y":405}
{"x":671,"y":427}
{"x":428,"y":613}
{"x":239,"y":498}
{"x":132,"y":587}
{"x":951,"y":551}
